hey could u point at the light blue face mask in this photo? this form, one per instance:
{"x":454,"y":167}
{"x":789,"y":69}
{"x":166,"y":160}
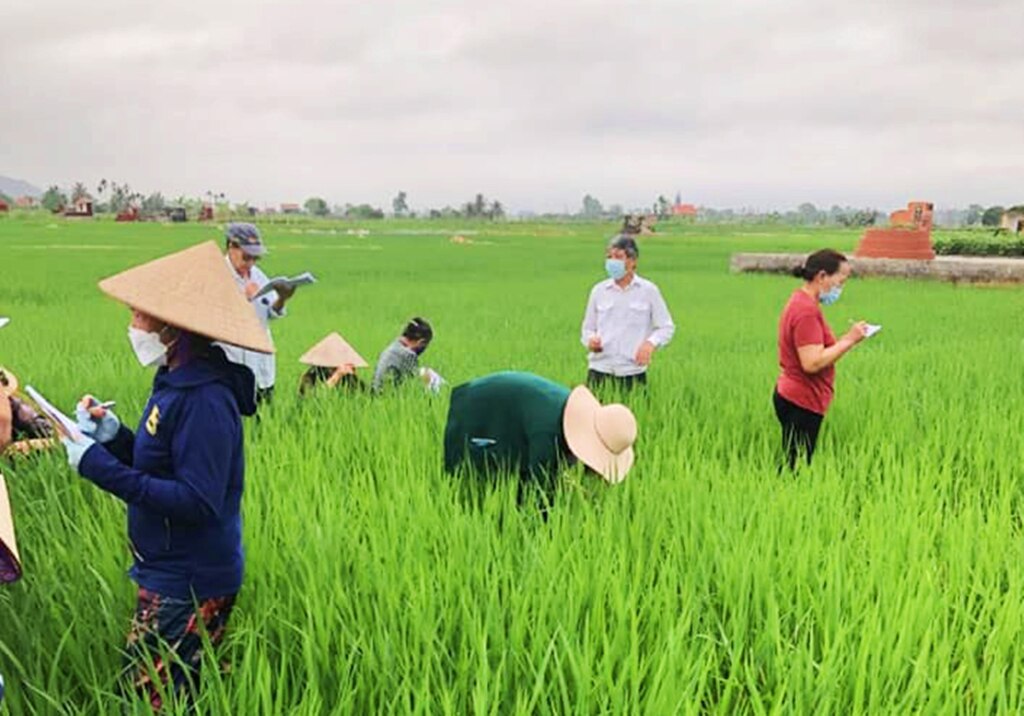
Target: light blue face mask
{"x":830,"y":296}
{"x":616,"y":268}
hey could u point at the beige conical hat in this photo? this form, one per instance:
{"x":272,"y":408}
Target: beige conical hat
{"x":601,"y":436}
{"x":192,"y":289}
{"x":8,"y":382}
{"x":10,"y":562}
{"x":332,"y":352}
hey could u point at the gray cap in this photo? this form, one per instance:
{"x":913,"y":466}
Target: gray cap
{"x":246,"y":237}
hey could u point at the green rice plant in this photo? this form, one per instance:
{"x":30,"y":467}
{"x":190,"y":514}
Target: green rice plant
{"x":887,"y":578}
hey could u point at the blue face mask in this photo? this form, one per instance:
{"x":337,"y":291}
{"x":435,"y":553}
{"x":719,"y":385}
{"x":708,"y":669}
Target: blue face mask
{"x":616,"y":268}
{"x":830,"y":296}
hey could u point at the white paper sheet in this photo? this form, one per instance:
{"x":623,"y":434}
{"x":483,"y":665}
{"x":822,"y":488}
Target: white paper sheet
{"x":65,"y":424}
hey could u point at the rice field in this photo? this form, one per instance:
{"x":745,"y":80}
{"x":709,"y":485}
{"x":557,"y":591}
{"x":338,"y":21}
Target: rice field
{"x":888,"y":578}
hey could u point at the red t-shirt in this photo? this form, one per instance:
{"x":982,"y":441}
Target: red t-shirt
{"x":802,"y":324}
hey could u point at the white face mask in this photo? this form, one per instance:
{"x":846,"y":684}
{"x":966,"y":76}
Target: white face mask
{"x":148,"y":347}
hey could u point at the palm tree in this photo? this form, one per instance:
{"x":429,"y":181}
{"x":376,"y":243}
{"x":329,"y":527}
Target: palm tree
{"x":78,"y":191}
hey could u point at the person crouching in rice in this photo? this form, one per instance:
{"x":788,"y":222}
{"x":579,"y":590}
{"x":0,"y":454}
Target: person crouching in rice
{"x":10,"y":563}
{"x":181,"y":473}
{"x":533,"y":428}
{"x":400,"y":360}
{"x":22,"y":429}
{"x":332,"y":364}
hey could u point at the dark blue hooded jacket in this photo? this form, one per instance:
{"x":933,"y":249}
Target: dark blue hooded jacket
{"x":181,"y":475}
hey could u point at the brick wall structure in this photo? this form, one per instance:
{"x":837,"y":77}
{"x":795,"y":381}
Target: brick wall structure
{"x":909,"y":237}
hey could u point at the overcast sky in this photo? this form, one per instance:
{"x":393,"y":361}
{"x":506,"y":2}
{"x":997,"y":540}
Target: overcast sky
{"x":744,"y":104}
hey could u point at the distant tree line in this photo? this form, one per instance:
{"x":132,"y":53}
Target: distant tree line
{"x":114,"y":197}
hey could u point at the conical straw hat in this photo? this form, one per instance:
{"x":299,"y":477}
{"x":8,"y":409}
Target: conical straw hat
{"x":332,"y":352}
{"x":601,"y":436}
{"x":10,"y":563}
{"x":8,"y":382}
{"x":192,"y":289}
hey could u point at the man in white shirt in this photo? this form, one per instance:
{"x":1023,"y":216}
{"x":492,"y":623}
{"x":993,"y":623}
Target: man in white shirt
{"x":625,"y":322}
{"x":244,"y":248}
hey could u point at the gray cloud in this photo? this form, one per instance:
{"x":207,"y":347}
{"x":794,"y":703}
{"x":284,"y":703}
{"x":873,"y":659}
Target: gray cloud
{"x":754,"y":103}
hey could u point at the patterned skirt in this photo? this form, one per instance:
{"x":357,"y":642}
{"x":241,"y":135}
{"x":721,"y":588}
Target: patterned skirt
{"x":165,"y":645}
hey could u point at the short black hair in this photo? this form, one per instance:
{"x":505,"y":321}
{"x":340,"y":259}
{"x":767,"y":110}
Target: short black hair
{"x":625,"y":243}
{"x":418,"y":329}
{"x":827,"y":260}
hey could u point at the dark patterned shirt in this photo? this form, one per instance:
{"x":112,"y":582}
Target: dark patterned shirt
{"x":396,"y":363}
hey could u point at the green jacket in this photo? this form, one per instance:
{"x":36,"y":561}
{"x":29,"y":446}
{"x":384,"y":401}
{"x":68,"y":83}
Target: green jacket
{"x":507,"y":421}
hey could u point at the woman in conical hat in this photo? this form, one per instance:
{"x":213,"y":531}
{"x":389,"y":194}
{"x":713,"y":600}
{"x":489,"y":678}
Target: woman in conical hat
{"x":10,"y":562}
{"x":10,"y":565}
{"x":6,"y":389}
{"x":332,"y":363}
{"x":22,"y":430}
{"x":181,"y":472}
{"x":533,"y":426}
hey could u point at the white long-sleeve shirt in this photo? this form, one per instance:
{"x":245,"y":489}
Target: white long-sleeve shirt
{"x":263,"y":365}
{"x":624,"y":318}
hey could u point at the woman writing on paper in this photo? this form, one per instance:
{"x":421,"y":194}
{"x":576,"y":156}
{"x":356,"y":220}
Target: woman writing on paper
{"x":181,"y":472}
{"x":808,"y":352}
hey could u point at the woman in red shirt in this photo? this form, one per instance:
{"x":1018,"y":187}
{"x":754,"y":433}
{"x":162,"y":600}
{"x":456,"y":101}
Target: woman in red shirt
{"x":808,"y":352}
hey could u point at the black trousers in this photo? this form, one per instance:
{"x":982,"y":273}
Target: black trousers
{"x":596,"y":379}
{"x":264,"y":395}
{"x":800,"y":428}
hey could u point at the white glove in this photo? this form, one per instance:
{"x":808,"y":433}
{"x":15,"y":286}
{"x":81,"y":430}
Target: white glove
{"x":102,"y":429}
{"x":76,"y":449}
{"x":432,"y":380}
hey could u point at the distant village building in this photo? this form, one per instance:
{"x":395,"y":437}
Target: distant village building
{"x":1013,"y":220}
{"x":82,"y":208}
{"x":177,"y":214}
{"x":26,"y":202}
{"x":4,"y":206}
{"x":291,"y":209}
{"x":129,"y":214}
{"x":206,"y":213}
{"x":685,"y":210}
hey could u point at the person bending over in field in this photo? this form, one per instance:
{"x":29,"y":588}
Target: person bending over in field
{"x":626,"y":320}
{"x":808,"y":352}
{"x":10,"y":565}
{"x":400,"y":360}
{"x":22,"y":429}
{"x":181,"y":471}
{"x":534,"y":427}
{"x":332,"y":364}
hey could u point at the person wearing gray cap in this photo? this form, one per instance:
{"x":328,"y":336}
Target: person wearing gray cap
{"x":244,"y":248}
{"x":625,"y":322}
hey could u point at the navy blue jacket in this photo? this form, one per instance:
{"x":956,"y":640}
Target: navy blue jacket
{"x":181,"y":475}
